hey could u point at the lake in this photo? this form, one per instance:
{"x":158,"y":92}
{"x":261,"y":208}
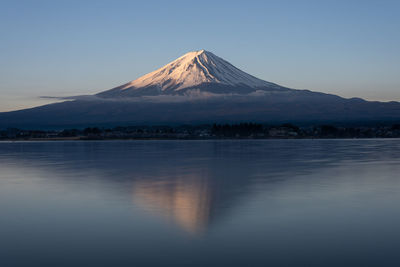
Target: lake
{"x":200,"y":203}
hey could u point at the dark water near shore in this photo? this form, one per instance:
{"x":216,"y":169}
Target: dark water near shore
{"x":200,"y":203}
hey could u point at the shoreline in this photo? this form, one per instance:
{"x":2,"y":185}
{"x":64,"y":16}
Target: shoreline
{"x":191,"y":139}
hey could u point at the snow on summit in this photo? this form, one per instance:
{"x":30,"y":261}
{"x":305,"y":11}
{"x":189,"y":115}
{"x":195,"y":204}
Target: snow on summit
{"x":188,"y":71}
{"x":195,"y":68}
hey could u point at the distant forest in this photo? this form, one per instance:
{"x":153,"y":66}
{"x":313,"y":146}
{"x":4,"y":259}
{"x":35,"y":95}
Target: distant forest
{"x":206,"y":131}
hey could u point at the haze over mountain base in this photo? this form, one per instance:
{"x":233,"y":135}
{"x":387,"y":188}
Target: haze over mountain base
{"x":300,"y":110}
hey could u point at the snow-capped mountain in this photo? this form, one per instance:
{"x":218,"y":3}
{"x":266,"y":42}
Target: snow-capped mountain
{"x":200,"y":87}
{"x":194,"y":70}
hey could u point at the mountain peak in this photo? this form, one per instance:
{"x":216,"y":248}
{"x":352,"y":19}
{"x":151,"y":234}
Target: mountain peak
{"x":198,"y":52}
{"x":193,"y":69}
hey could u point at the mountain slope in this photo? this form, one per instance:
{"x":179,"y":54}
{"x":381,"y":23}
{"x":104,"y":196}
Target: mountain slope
{"x":200,"y":87}
{"x":199,"y":69}
{"x":303,"y":109}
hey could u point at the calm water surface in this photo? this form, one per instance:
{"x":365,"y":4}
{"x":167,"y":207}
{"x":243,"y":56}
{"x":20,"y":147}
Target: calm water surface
{"x":200,"y":203}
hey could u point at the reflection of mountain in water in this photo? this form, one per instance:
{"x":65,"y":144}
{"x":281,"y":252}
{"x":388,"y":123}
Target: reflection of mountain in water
{"x":187,"y":200}
{"x":195,"y":183}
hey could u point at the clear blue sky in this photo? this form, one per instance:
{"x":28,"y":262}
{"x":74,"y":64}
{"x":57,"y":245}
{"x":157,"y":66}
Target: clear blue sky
{"x":59,"y":48}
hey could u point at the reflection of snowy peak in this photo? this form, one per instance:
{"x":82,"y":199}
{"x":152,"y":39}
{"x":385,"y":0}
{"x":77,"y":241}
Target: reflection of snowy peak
{"x":200,"y":68}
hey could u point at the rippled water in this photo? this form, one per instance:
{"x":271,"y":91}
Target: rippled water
{"x":200,"y":203}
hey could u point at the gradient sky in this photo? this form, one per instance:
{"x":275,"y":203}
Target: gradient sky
{"x":60,"y":48}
